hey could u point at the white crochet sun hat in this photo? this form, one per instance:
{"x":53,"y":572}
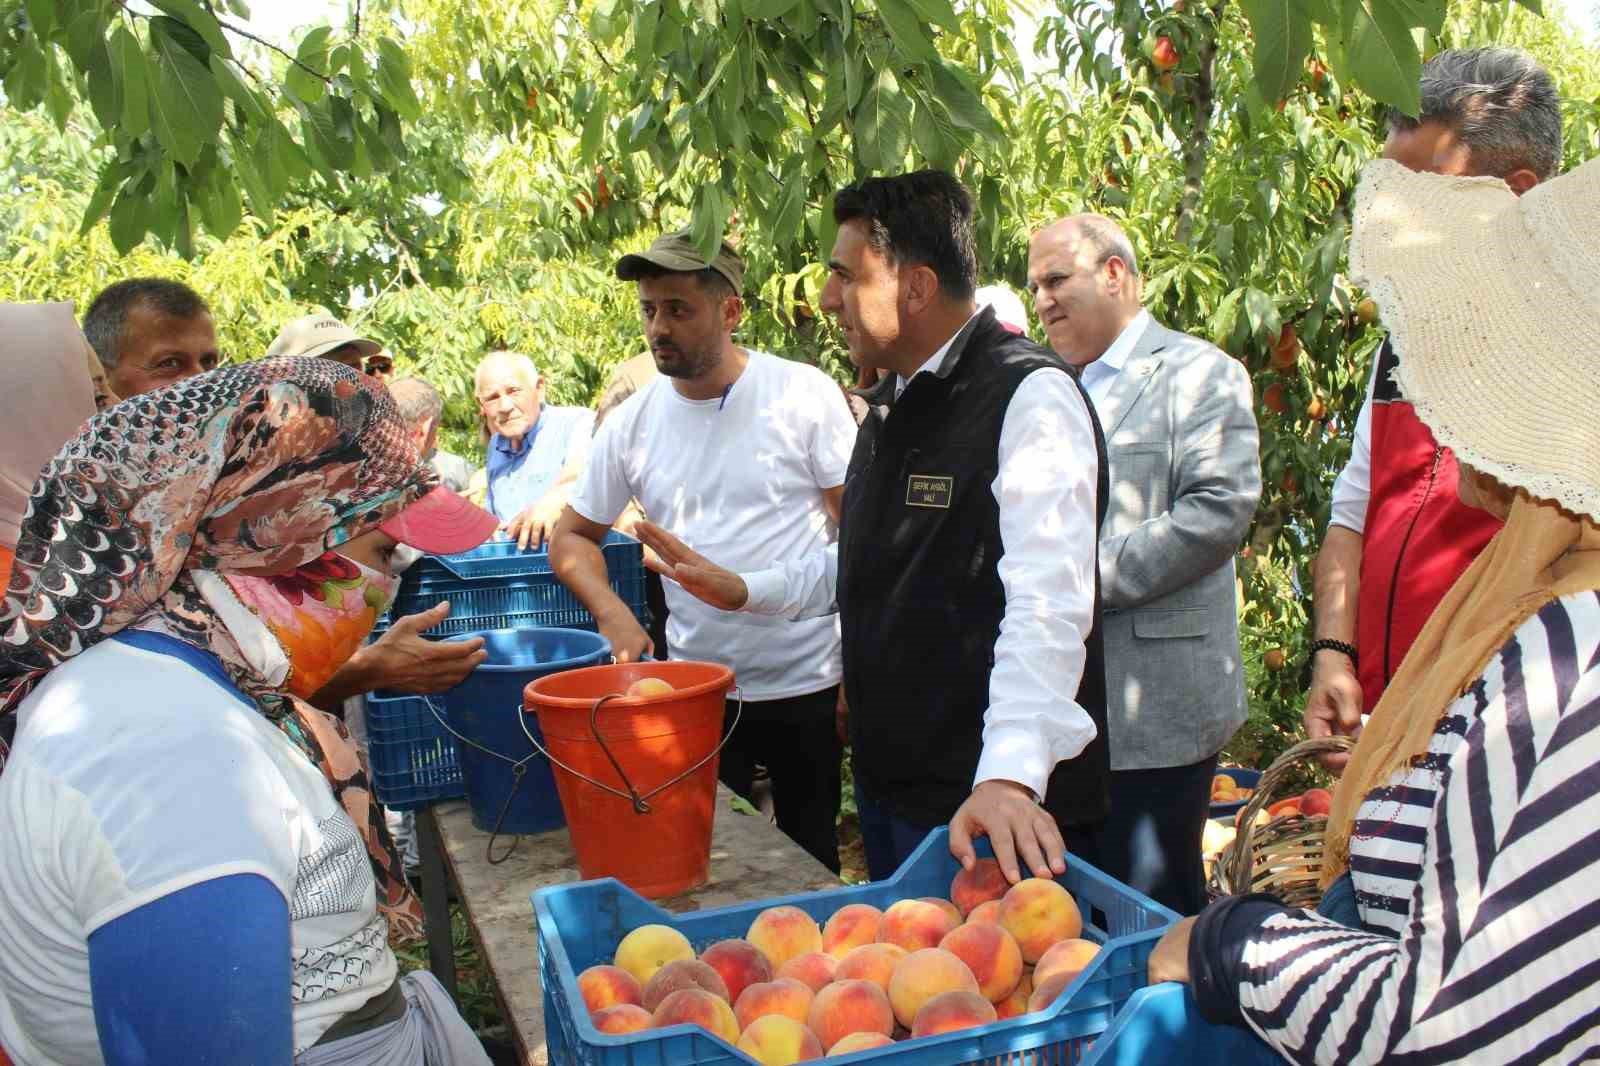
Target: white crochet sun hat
{"x":1493,"y":306}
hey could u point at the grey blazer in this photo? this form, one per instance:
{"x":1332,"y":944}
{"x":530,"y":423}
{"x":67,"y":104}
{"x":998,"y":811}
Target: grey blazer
{"x":1184,"y":450}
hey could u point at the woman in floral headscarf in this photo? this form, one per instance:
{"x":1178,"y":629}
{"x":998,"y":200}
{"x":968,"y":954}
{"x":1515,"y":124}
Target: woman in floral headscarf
{"x":190,"y":862}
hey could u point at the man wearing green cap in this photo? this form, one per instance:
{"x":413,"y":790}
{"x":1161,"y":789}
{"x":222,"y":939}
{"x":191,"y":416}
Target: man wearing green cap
{"x":741,"y":450}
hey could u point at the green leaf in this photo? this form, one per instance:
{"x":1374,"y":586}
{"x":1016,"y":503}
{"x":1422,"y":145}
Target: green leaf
{"x":186,"y":108}
{"x":246,"y":102}
{"x":181,"y":33}
{"x":252,"y":176}
{"x":128,"y":222}
{"x":1536,"y":6}
{"x":218,"y":202}
{"x":1382,"y":54}
{"x":58,"y":96}
{"x":100,"y":200}
{"x":313,"y":53}
{"x":85,"y":32}
{"x":594,"y":128}
{"x":1262,"y":314}
{"x":372,"y":143}
{"x":966,"y":107}
{"x":131,"y":69}
{"x":767,"y":9}
{"x":791,"y":210}
{"x":938,"y":12}
{"x":709,"y":220}
{"x":1283,"y":40}
{"x":855,"y":80}
{"x":1429,"y":14}
{"x":906,"y":30}
{"x":41,"y":18}
{"x":105,"y":91}
{"x":644,"y":35}
{"x":199,"y":20}
{"x":394,"y":80}
{"x":882,"y":124}
{"x":24,"y":82}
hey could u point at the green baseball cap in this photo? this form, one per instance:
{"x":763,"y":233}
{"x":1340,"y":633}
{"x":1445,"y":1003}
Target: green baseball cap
{"x":676,"y":252}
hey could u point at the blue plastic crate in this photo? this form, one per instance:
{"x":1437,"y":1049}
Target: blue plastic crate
{"x":1247,"y":778}
{"x":1161,"y":1026}
{"x":581,"y":924}
{"x":413,"y":757}
{"x":495,"y":586}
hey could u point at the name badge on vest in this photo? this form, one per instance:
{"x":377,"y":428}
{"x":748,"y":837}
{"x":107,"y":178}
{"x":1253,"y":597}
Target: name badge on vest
{"x":929,"y":490}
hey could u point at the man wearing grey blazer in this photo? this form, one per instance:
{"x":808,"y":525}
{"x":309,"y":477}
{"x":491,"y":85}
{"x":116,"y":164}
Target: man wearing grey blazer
{"x":1183,"y":448}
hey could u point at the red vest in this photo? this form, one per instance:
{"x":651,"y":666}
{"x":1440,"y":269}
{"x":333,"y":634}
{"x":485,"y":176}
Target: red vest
{"x":1419,"y":536}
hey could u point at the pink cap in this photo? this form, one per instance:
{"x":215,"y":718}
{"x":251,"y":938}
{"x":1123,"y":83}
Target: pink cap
{"x":442,"y":523}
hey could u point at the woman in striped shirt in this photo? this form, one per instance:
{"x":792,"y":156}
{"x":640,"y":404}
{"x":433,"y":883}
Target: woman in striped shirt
{"x":1468,"y":820}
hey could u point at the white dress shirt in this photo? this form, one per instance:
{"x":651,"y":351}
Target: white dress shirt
{"x":1098,"y":375}
{"x":1045,"y":488}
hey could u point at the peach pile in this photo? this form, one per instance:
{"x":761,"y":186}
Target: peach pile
{"x":792,"y":991}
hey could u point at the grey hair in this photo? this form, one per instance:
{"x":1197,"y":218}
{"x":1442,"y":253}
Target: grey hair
{"x":107,"y":318}
{"x":419,"y":402}
{"x":517,"y":359}
{"x":1107,"y":239}
{"x":1502,"y":104}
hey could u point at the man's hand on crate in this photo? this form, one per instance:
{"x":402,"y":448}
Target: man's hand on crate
{"x":402,"y":661}
{"x":1017,"y":827}
{"x":1170,"y":959}
{"x":629,"y":641}
{"x":537,"y":524}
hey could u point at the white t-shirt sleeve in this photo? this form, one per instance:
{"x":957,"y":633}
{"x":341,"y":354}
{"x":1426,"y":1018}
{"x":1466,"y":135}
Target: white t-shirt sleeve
{"x":579,"y":438}
{"x":1352,"y":489}
{"x":834,"y":435}
{"x":602,"y":491}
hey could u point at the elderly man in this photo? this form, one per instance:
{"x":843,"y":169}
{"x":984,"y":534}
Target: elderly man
{"x":423,"y":407}
{"x":742,"y":453}
{"x":1185,"y":478}
{"x":536,"y":450}
{"x":322,"y":336}
{"x":964,"y":577}
{"x":149,"y":333}
{"x":1399,"y":537}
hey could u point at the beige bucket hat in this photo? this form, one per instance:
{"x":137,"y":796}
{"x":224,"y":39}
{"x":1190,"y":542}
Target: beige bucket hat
{"x":1493,"y":305}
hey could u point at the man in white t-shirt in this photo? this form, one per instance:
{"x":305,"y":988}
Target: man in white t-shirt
{"x":739,"y":453}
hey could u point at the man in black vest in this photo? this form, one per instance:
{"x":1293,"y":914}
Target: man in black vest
{"x":965,"y":573}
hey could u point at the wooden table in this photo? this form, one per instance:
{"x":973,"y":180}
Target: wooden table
{"x":750,"y":860}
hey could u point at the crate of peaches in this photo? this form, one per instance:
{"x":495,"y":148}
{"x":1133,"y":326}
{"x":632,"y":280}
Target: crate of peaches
{"x":935,"y":965}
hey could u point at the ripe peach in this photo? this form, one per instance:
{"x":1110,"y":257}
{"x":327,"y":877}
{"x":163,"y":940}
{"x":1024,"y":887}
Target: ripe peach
{"x":1039,"y":913}
{"x":915,"y":924}
{"x":784,"y":996}
{"x":814,"y":969}
{"x":1068,"y":957}
{"x":870,"y":962}
{"x":781,"y":933}
{"x":850,"y":927}
{"x":696,"y":1006}
{"x":1045,"y":991}
{"x":945,"y":905}
{"x":650,"y":947}
{"x":739,"y":965}
{"x":860,"y":1042}
{"x":924,"y":974}
{"x":949,"y":1011}
{"x":846,"y":1007}
{"x":992,"y":956}
{"x":649,"y":688}
{"x":985,"y":912}
{"x":774,"y":1040}
{"x":622,"y":1018}
{"x":1016,"y":1004}
{"x":606,"y":986}
{"x":682,"y":973}
{"x":982,"y":883}
{"x":1316,"y":801}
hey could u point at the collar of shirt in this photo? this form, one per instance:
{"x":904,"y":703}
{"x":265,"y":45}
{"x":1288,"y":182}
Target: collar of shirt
{"x":1116,"y":357}
{"x":933,"y":360}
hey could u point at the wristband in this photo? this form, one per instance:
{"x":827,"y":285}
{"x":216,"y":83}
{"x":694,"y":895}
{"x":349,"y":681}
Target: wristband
{"x":1340,"y":646}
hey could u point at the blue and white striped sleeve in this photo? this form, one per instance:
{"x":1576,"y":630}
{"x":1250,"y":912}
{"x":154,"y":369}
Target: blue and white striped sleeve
{"x":1496,"y":961}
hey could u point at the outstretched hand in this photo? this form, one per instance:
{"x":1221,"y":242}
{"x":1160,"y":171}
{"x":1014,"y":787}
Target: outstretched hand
{"x":1017,"y":828}
{"x":699,"y":576}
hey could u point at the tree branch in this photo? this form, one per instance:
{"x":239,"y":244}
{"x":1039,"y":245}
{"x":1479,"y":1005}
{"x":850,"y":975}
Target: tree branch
{"x":240,"y":32}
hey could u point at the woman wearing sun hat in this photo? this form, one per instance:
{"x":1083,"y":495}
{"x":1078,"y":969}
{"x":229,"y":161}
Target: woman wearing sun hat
{"x":1469,"y":818}
{"x":191,"y":865}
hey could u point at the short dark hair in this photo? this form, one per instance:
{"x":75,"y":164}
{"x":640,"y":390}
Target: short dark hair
{"x":1502,"y":104}
{"x":712,"y":283}
{"x":107,"y":317}
{"x":920,"y":218}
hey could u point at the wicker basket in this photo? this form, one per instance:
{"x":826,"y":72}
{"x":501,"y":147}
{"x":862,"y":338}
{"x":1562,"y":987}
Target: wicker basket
{"x":1284,"y":856}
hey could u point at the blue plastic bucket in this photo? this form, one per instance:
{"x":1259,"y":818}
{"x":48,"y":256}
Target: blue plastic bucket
{"x":507,"y":782}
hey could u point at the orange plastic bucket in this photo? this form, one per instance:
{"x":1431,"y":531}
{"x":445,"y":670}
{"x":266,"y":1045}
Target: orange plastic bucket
{"x":637,"y":776}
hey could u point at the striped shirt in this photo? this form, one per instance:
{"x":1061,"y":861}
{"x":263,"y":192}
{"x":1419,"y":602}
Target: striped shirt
{"x":1496,"y":959}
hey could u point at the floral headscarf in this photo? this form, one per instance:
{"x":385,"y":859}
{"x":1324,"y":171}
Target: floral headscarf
{"x":255,"y":469}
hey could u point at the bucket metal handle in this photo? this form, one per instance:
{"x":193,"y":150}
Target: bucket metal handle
{"x":519,"y":767}
{"x":633,"y":796}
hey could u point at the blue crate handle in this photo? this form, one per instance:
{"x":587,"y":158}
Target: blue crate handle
{"x":640,"y":804}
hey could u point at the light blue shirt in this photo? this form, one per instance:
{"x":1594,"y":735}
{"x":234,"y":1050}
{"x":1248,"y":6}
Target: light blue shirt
{"x":1098,"y":375}
{"x":523,"y":471}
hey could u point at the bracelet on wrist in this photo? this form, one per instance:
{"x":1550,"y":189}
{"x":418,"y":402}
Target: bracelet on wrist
{"x":1340,"y":646}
